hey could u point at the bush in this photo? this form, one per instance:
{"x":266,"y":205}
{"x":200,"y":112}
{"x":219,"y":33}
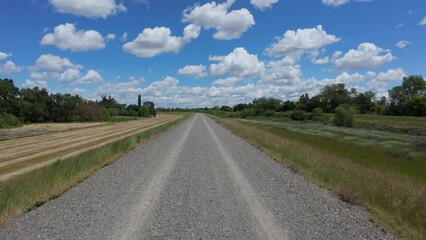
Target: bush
{"x":298,"y":115}
{"x":344,"y":116}
{"x":9,"y":121}
{"x":317,"y":114}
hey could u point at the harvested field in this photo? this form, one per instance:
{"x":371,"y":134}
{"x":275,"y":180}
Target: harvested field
{"x":43,"y":128}
{"x":24,"y":154}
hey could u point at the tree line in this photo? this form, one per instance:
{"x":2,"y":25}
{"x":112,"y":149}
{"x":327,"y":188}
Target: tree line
{"x":409,"y":99}
{"x":18,"y":106}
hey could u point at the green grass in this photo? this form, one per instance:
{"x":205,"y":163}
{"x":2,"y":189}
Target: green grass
{"x":399,"y":124}
{"x":30,"y":190}
{"x":395,"y":199}
{"x":391,"y":151}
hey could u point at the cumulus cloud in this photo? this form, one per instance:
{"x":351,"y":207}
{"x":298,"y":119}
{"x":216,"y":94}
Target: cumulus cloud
{"x":197,"y":71}
{"x":238,"y":63}
{"x":321,"y":60}
{"x":123,"y":37}
{"x":4,"y":55}
{"x":110,"y":36}
{"x":282,"y":72}
{"x":75,"y":91}
{"x":263,"y":4}
{"x":367,"y":55}
{"x":68,"y":75}
{"x":334,"y":2}
{"x":67,"y":37}
{"x":423,"y":22}
{"x":227,"y":82}
{"x":295,"y":43}
{"x":403,"y":44}
{"x":37,"y":83}
{"x":228,"y":24}
{"x":392,"y":75}
{"x":90,"y":9}
{"x":158,"y":40}
{"x":9,"y":67}
{"x":54,"y":63}
{"x":380,"y":82}
{"x":91,"y":77}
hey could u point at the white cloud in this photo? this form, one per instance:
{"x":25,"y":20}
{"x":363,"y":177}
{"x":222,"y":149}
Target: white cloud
{"x":295,"y":43}
{"x":37,"y":83}
{"x":9,"y":67}
{"x":67,"y":37}
{"x":154,"y":41}
{"x":123,"y":37}
{"x":227,"y":82}
{"x":423,"y":22}
{"x":400,"y":25}
{"x":110,"y":36}
{"x":263,"y":4}
{"x":69,"y":75}
{"x":392,"y":75}
{"x":336,"y":55}
{"x":75,"y":91}
{"x":347,"y":79}
{"x":4,"y":55}
{"x":367,"y":55}
{"x":90,"y":9}
{"x":239,"y":63}
{"x":91,"y":77}
{"x":282,"y":72}
{"x":53,"y":63}
{"x":321,"y":60}
{"x":403,"y":43}
{"x":228,"y":25}
{"x":197,"y":71}
{"x":44,"y":75}
{"x":334,"y":2}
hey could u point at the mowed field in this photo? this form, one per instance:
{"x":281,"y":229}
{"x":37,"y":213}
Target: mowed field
{"x":21,"y":155}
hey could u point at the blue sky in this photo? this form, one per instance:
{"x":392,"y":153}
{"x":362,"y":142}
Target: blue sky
{"x":206,"y":53}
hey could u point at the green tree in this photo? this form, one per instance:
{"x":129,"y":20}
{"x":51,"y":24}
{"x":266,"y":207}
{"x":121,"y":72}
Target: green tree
{"x":411,"y":86}
{"x":266,"y":103}
{"x":139,"y":101}
{"x":8,"y":96}
{"x":365,"y":101}
{"x":344,"y":116}
{"x":333,"y":95}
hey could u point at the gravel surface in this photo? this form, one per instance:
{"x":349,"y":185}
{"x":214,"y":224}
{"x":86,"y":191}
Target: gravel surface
{"x":195,"y":181}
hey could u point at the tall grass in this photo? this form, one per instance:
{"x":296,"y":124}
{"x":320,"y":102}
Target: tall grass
{"x":27,"y":191}
{"x":396,"y":202}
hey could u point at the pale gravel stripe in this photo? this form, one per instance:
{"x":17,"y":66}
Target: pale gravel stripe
{"x":266,"y":220}
{"x":150,"y":195}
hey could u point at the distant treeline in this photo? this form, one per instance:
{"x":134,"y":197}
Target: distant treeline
{"x":409,"y":99}
{"x":36,"y":105}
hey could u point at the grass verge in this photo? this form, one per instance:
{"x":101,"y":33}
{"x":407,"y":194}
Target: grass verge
{"x":395,"y":201}
{"x":28,"y":191}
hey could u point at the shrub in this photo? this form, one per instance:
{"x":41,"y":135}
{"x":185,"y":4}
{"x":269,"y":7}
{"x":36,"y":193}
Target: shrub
{"x":344,"y":116}
{"x":317,"y":114}
{"x":9,"y":121}
{"x":298,"y":115}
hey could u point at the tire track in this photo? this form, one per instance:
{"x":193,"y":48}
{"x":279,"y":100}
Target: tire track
{"x":267,"y":224}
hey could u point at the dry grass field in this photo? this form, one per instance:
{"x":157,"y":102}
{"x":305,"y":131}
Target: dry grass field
{"x":43,"y":128}
{"x":24,"y":154}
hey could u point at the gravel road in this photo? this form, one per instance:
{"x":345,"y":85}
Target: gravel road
{"x":195,"y":181}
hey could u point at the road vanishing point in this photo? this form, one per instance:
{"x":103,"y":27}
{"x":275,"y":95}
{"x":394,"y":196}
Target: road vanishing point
{"x":195,"y":181}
